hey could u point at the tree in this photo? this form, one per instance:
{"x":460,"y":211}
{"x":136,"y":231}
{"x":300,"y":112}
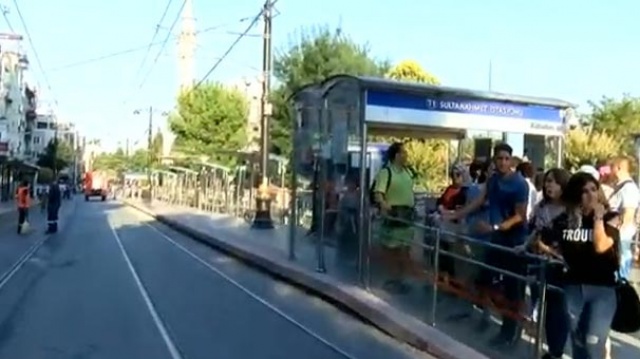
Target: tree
{"x":116,"y":161}
{"x":57,"y":155}
{"x":429,"y":157}
{"x":211,"y":119}
{"x":156,"y":149}
{"x":583,"y":145}
{"x":410,"y":70}
{"x":318,"y":56}
{"x":138,"y":161}
{"x":45,"y":175}
{"x":618,"y":118}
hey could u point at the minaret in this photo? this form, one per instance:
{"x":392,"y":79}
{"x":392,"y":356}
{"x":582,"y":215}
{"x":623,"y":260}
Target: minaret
{"x":186,"y":54}
{"x":187,"y":47}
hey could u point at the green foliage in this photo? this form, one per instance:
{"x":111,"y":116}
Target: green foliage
{"x":119,"y":162}
{"x":316,"y":57}
{"x":156,"y":148}
{"x":57,"y":156}
{"x":45,"y":175}
{"x":583,"y":145}
{"x":429,"y":161}
{"x":211,"y":120}
{"x":618,"y":118}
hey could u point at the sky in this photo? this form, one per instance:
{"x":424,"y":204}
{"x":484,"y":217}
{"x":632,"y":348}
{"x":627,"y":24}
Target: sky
{"x":575,"y":50}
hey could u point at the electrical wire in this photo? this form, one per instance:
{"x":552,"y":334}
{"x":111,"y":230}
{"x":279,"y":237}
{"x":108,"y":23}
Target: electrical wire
{"x":6,"y":18}
{"x":35,"y":52}
{"x":122,"y":52}
{"x":153,"y":38}
{"x":163,"y":45}
{"x":233,"y":45}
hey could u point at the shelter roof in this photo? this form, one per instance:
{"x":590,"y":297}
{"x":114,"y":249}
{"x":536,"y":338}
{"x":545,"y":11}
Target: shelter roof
{"x":384,"y":84}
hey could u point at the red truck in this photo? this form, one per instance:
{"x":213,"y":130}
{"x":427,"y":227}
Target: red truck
{"x":95,"y":185}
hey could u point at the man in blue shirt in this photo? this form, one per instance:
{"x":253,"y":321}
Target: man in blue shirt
{"x":507,"y":194}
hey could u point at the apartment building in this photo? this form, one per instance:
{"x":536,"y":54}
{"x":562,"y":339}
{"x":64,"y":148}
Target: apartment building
{"x":45,"y":130}
{"x":17,"y":103}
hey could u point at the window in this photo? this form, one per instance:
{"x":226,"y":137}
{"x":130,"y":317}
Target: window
{"x":36,"y":140}
{"x":41,"y":125}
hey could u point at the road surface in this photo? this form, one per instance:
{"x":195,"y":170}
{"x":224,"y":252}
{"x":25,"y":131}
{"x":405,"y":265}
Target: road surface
{"x":116,"y":284}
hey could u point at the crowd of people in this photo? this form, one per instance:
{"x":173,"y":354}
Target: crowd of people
{"x":584,"y":222}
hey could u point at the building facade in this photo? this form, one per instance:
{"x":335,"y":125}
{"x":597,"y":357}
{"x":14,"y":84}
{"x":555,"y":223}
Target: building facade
{"x":17,"y":105}
{"x":45,"y":130}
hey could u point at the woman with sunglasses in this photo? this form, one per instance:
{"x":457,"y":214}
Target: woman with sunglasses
{"x":588,"y":237}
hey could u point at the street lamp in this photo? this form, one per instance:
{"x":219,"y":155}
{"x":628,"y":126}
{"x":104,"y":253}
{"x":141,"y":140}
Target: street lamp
{"x":151,"y":111}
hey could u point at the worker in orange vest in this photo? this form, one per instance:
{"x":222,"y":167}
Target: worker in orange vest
{"x":23,"y":199}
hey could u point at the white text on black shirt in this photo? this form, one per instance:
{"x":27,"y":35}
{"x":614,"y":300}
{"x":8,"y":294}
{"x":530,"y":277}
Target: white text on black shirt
{"x":577,"y":235}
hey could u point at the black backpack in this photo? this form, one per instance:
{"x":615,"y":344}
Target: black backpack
{"x":372,"y":194}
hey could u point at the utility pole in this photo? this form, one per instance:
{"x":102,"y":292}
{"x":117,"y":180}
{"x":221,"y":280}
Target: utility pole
{"x":262,"y":219}
{"x":150,"y":144}
{"x":55,"y":146}
{"x":151,"y":112}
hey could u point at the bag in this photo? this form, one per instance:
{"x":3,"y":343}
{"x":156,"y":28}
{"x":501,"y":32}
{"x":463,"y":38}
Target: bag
{"x":399,"y":217}
{"x":372,"y":194}
{"x":627,"y":316}
{"x":620,"y":187}
{"x":25,"y":227}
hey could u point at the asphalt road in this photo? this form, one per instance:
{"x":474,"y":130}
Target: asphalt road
{"x":115,"y":284}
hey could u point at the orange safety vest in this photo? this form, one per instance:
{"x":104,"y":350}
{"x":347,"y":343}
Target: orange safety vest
{"x":23,"y":197}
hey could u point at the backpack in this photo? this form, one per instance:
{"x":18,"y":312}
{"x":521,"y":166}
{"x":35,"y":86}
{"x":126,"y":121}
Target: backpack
{"x":372,"y":194}
{"x":617,"y":189}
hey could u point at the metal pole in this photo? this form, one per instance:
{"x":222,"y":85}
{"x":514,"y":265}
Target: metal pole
{"x":262,"y":219}
{"x":55,"y":147}
{"x":76,"y":150}
{"x":149,"y":143}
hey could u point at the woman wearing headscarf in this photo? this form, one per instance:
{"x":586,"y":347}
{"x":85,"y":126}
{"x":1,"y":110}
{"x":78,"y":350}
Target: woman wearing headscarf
{"x":453,"y":197}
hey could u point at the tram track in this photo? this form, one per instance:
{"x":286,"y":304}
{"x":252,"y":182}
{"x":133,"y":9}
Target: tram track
{"x":213,"y":263}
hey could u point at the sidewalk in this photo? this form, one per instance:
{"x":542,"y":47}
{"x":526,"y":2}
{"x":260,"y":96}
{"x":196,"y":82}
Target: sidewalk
{"x":13,"y":247}
{"x":6,"y":207}
{"x":10,"y":206}
{"x":266,"y":249}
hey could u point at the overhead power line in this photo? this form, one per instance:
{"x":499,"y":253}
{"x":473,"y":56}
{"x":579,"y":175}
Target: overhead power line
{"x":5,"y":14}
{"x":35,"y":51}
{"x":122,"y":52}
{"x":153,"y":38}
{"x":163,"y":45}
{"x":253,"y":23}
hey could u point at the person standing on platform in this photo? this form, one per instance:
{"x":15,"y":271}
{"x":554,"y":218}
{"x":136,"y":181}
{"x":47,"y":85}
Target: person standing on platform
{"x":508,"y":195}
{"x":53,"y":207}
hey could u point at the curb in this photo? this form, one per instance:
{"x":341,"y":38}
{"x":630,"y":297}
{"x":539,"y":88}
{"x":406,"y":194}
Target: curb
{"x":396,"y":323}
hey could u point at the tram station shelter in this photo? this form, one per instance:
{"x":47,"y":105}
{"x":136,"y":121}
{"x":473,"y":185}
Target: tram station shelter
{"x":333,"y":114}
